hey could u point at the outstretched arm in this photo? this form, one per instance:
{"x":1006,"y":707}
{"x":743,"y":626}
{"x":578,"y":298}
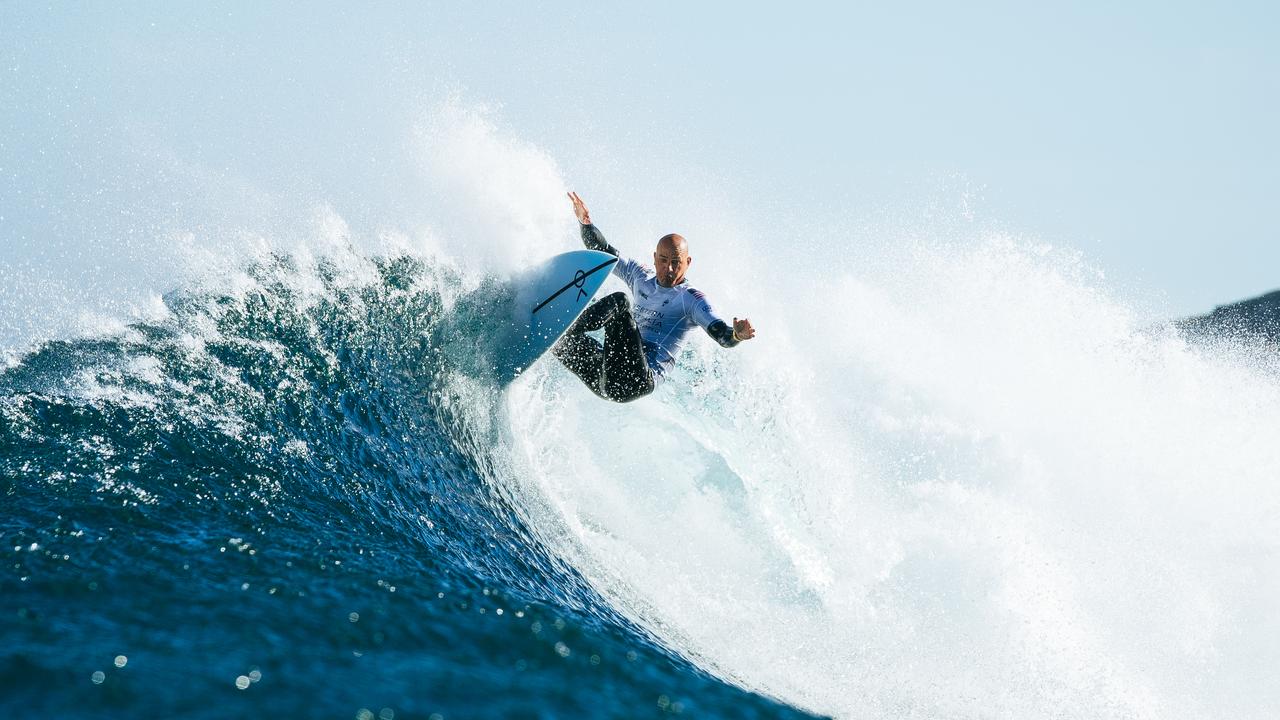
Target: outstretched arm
{"x":719,"y":330}
{"x":591,"y":235}
{"x":727,"y":336}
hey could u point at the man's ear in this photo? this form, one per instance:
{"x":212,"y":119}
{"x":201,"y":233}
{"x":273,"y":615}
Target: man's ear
{"x":688,"y":261}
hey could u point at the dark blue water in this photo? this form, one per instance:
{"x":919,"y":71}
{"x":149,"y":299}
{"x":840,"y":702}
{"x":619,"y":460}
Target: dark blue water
{"x":274,"y":501}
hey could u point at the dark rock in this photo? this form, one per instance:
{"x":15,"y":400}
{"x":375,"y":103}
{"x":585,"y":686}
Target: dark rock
{"x":1253,"y":318}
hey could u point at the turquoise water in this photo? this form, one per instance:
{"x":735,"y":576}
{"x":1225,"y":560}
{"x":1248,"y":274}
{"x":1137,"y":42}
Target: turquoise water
{"x":274,"y":502}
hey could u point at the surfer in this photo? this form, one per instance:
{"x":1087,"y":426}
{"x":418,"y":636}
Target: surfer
{"x":641,"y":339}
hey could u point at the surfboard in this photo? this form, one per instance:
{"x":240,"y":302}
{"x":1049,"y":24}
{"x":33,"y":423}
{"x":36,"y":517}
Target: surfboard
{"x":548,"y":299}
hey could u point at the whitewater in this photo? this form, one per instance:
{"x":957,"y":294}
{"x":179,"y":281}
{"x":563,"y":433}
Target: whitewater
{"x":957,"y":474}
{"x":958,"y":479}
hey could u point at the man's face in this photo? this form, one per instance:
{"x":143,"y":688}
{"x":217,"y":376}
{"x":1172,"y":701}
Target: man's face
{"x":671,"y":260}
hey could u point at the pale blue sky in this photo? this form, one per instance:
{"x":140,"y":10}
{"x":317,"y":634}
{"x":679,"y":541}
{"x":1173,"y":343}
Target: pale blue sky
{"x":1143,"y":134}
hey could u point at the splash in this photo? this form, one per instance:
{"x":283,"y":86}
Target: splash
{"x":966,"y":482}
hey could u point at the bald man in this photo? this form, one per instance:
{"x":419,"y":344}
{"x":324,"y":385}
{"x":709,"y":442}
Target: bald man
{"x":641,"y":340}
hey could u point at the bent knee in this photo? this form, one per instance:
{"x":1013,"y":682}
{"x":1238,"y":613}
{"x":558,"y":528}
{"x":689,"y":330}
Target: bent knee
{"x":617,"y":299}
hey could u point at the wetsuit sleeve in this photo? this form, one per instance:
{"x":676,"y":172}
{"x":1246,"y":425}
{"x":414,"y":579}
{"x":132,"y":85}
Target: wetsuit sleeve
{"x":625,"y":268}
{"x":722,"y":333}
{"x":594,"y":240}
{"x":718,"y":329}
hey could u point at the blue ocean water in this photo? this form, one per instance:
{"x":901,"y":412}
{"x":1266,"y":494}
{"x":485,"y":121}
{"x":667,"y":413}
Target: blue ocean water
{"x":274,"y":504}
{"x":251,"y":461}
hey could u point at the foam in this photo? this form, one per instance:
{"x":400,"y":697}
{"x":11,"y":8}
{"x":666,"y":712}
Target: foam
{"x":991,"y":491}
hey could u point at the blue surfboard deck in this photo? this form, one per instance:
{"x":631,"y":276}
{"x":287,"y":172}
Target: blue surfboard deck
{"x":548,"y":299}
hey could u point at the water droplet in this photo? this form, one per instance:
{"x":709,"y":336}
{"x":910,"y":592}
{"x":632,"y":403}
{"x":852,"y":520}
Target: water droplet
{"x":121,"y":661}
{"x":562,"y":649}
{"x":364,"y":714}
{"x":387,"y":714}
{"x":97,"y":677}
{"x":242,"y":682}
{"x":354,"y":617}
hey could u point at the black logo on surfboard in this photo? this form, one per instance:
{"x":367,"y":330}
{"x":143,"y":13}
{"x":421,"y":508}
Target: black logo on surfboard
{"x":579,"y":280}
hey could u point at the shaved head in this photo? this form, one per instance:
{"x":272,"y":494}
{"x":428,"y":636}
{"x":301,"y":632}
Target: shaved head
{"x":673,"y":243}
{"x":671,"y":259}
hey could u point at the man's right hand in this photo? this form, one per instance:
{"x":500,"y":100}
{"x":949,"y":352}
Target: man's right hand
{"x":580,"y":209}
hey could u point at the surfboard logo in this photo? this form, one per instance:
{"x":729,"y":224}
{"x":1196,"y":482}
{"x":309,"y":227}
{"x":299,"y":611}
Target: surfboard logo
{"x":579,"y":279}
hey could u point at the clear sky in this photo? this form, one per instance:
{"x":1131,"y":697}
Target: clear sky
{"x":1142,"y":133}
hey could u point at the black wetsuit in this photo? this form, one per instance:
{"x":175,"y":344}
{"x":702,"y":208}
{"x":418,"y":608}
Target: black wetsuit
{"x":617,"y":371}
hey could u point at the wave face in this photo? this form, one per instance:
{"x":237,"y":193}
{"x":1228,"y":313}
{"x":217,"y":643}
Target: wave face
{"x":289,"y":486}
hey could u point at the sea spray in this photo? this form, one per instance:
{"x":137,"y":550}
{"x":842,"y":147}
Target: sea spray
{"x":974,"y":486}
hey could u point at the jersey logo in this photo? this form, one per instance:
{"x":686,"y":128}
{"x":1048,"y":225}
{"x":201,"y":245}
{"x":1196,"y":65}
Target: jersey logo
{"x":697,"y":293}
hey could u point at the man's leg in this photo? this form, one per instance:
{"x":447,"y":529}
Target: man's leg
{"x":618,"y":371}
{"x":626,"y":371}
{"x":582,"y":355}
